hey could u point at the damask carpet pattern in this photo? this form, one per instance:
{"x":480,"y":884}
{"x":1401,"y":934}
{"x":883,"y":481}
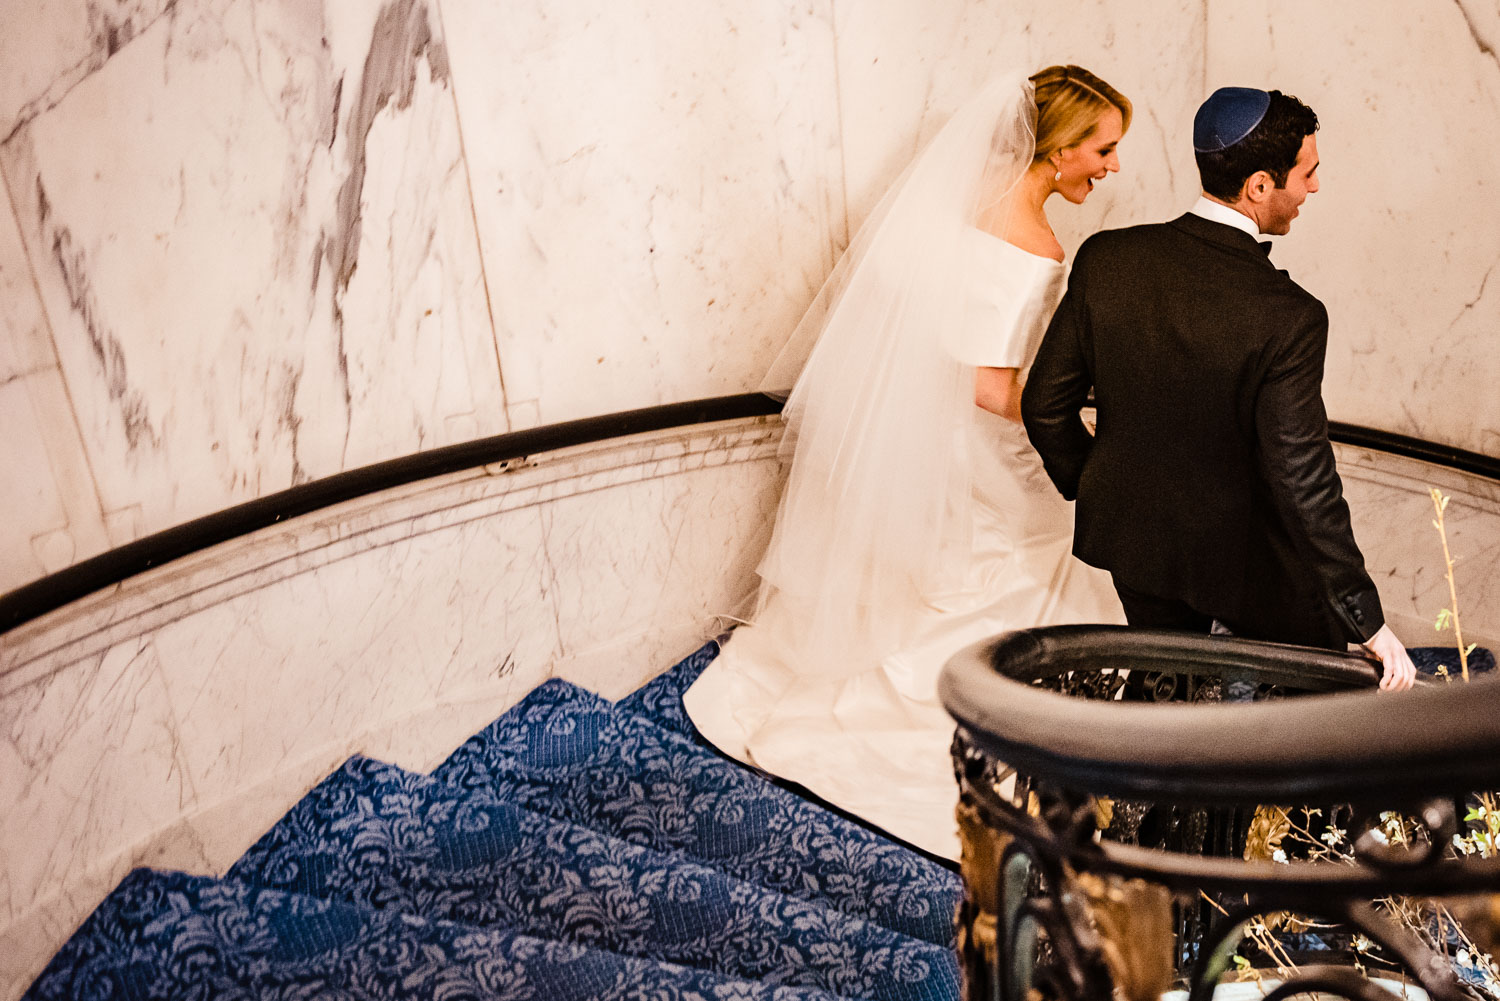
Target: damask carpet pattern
{"x":574,"y":849}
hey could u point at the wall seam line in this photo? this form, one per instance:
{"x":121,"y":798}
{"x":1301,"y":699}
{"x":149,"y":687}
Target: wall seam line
{"x":838,"y":101}
{"x":62,"y":375}
{"x":484,"y":273}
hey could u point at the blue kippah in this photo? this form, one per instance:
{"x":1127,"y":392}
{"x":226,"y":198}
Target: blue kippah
{"x":1229,"y":115}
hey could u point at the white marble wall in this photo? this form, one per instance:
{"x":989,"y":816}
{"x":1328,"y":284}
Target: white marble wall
{"x":254,"y":242}
{"x":245,"y":243}
{"x":658,"y":190}
{"x":1403,"y":239}
{"x":903,"y":68}
{"x":250,"y":232}
{"x":1392,"y":510}
{"x":172,"y":720}
{"x":47,"y":496}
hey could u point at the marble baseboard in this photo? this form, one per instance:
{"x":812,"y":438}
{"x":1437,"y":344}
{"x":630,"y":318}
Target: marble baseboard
{"x":1392,"y":511}
{"x":171,"y":719}
{"x":222,"y":573}
{"x":211,"y":838}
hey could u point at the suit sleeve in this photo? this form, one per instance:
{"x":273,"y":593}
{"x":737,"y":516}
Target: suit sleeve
{"x":1298,"y":465}
{"x":1058,"y":387}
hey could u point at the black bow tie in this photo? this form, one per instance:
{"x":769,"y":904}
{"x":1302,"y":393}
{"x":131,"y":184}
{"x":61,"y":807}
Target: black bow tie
{"x":1265,"y":247}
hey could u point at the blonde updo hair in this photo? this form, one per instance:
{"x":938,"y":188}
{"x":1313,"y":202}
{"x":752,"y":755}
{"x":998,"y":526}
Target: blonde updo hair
{"x":1070,"y":101}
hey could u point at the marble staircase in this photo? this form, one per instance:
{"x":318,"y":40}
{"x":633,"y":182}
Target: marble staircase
{"x":575,"y":848}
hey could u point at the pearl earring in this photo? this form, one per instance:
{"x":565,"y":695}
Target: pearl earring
{"x":1057,"y":176}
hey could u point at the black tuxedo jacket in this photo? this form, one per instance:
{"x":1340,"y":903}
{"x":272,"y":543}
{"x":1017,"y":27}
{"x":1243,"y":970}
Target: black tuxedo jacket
{"x":1211,"y":479}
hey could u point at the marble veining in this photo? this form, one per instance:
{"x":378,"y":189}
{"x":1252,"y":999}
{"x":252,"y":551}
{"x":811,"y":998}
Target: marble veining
{"x":1483,"y":23}
{"x":52,"y":512}
{"x":268,"y":241}
{"x":261,"y":266}
{"x":48,"y":46}
{"x":26,"y":344}
{"x":90,"y":761}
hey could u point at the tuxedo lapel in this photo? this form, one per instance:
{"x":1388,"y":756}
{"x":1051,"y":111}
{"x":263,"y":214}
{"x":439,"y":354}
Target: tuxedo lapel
{"x":1236,"y":240}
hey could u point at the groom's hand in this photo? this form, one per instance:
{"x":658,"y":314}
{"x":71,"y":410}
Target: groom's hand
{"x":1399,"y":672}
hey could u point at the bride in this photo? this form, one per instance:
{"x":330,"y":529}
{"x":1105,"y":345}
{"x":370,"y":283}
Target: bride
{"x":916,"y":517}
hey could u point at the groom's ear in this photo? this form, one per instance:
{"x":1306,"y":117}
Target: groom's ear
{"x":1258,"y":187}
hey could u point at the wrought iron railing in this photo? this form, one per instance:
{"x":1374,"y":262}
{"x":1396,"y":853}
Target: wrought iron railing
{"x":1054,"y":909}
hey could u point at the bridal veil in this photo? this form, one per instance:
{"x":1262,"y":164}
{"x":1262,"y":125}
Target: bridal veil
{"x":875,"y":517}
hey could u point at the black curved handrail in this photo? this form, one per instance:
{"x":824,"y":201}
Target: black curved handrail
{"x":1058,"y":845}
{"x":48,"y":593}
{"x":107,"y":569}
{"x":1375,"y":440}
{"x":1353,"y":746}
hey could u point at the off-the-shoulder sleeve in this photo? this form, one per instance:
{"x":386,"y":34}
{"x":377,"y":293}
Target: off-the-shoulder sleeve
{"x":1011,"y":298}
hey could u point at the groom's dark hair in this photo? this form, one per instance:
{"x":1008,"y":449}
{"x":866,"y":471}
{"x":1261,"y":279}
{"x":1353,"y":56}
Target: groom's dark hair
{"x":1271,"y":146}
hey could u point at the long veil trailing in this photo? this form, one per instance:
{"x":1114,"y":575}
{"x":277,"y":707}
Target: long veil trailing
{"x":876,"y":504}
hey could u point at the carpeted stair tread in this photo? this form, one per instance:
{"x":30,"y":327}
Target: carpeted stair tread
{"x":171,"y":935}
{"x":375,"y":835}
{"x":567,"y":753}
{"x":660,"y":700}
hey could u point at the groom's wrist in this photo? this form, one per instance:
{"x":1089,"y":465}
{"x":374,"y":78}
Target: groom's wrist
{"x":1361,"y":614}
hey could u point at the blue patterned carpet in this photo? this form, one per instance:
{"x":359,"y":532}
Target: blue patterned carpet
{"x":574,"y":849}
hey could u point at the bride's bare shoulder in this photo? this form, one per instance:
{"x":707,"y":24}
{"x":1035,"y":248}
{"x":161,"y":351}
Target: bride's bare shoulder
{"x":1034,"y":238}
{"x":1020,"y":230}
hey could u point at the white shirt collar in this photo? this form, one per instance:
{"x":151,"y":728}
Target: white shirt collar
{"x":1213,"y":211}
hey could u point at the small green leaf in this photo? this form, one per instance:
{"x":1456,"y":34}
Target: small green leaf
{"x":1241,"y":963}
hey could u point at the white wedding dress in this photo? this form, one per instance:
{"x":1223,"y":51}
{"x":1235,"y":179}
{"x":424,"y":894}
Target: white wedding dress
{"x":872,"y":738}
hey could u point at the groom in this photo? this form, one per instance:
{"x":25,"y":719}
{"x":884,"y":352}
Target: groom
{"x":1210,"y":491}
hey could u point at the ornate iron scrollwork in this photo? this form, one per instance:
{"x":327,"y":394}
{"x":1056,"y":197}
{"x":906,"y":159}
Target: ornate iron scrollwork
{"x":1056,"y":908}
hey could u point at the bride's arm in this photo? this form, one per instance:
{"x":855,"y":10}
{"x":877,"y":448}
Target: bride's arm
{"x":998,"y":390}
